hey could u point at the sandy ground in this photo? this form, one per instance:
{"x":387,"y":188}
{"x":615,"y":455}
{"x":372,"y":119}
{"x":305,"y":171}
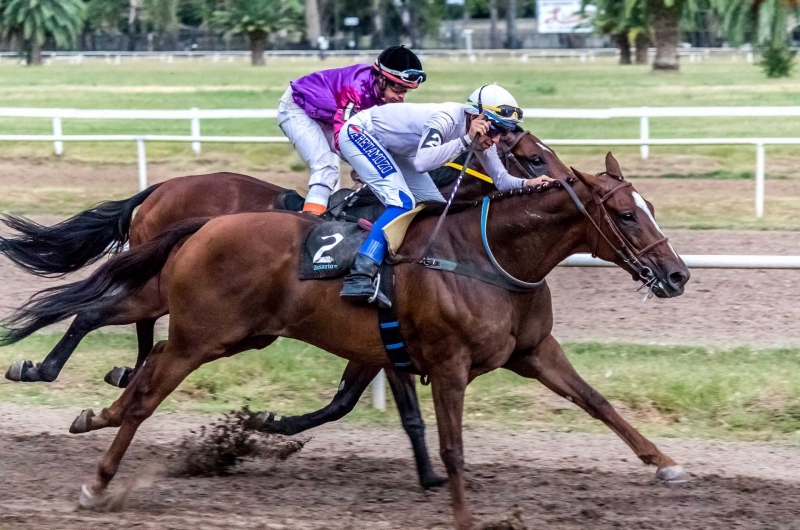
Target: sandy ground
{"x":363,"y":478}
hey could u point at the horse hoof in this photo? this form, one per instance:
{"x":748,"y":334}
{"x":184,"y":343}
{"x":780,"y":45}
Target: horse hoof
{"x":434,"y":481}
{"x":89,"y":500}
{"x":83,"y":423}
{"x":267,"y":422}
{"x":18,"y":371}
{"x":119,"y":377}
{"x":672,"y":475}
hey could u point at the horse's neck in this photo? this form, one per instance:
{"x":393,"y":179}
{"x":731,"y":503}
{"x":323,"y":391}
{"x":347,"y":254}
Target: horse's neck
{"x":530,"y":235}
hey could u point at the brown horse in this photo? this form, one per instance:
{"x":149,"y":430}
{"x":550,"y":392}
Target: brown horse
{"x":86,"y":237}
{"x":233,"y":286}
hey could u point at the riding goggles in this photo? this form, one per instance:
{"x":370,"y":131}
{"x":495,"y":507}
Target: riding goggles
{"x":406,"y":77}
{"x":495,"y":131}
{"x":506,"y":111}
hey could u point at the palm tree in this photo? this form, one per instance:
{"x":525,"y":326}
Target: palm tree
{"x":258,"y":19}
{"x":620,"y":22}
{"x":764,"y":23}
{"x":33,"y":22}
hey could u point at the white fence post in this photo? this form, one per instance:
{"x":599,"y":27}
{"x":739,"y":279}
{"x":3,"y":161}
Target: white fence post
{"x":644,"y":134}
{"x":196,"y":131}
{"x":142,"y":159}
{"x":57,"y":145}
{"x":379,"y":391}
{"x":760,"y":177}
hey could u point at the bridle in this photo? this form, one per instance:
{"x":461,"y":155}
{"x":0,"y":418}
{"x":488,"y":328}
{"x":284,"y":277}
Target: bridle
{"x":624,"y":248}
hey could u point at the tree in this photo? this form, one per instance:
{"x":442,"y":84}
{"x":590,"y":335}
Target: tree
{"x":665,"y":16}
{"x":313,"y":23}
{"x":764,"y":23}
{"x":511,"y":25}
{"x":34,"y":22}
{"x":258,"y":19}
{"x":621,"y":20}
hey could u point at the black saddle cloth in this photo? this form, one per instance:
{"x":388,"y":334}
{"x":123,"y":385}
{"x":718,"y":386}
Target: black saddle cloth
{"x":330,"y":249}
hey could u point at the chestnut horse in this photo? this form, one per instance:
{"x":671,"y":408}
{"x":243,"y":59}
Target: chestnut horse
{"x":86,"y":237}
{"x":233,"y":285}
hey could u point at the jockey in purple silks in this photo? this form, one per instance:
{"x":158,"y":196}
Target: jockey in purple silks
{"x":315,"y":107}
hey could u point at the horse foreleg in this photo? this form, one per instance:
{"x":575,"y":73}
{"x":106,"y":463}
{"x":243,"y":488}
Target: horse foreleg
{"x":548,"y":363}
{"x":165,"y":369}
{"x":354,"y":381}
{"x":449,"y":385}
{"x":404,"y":389}
{"x":121,"y":376}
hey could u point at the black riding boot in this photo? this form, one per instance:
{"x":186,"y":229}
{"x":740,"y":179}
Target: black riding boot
{"x":360,"y":286}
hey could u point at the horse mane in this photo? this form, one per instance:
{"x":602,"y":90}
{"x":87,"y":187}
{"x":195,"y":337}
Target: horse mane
{"x":436,"y":208}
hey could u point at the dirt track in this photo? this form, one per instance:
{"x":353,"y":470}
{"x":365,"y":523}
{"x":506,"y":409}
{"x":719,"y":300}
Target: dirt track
{"x":363,"y":478}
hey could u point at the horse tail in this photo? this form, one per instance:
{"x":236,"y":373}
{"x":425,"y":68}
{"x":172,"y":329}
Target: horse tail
{"x":74,"y":243}
{"x":120,"y":277}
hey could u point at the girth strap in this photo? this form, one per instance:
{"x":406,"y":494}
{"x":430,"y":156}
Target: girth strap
{"x":390,"y":325}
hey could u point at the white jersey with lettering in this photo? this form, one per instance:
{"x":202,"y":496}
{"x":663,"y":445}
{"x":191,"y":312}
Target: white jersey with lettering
{"x":431,"y":135}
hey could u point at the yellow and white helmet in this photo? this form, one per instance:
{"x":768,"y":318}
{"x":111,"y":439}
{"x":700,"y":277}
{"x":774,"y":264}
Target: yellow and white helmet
{"x":499,"y":105}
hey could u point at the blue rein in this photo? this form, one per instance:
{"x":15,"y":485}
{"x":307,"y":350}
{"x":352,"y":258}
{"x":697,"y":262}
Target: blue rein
{"x":506,"y":276}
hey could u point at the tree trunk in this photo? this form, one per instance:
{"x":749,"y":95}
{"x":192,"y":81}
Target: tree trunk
{"x":313,"y":23}
{"x":642,"y":41}
{"x":493,"y":40}
{"x":511,"y":26}
{"x":133,"y":24}
{"x":258,"y":43}
{"x":621,"y":40}
{"x":666,"y":34}
{"x":34,"y":54}
{"x":377,"y":22}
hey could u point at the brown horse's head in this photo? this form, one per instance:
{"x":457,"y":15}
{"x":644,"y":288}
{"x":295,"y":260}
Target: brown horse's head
{"x":630,"y":235}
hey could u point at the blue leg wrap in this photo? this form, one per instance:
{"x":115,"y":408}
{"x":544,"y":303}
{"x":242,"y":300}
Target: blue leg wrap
{"x":375,"y":245}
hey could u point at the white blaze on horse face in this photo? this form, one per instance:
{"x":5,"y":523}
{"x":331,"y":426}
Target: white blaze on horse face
{"x":641,"y":203}
{"x":540,"y":144}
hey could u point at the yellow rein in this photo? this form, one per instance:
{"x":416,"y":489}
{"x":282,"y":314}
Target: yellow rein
{"x":470,"y":171}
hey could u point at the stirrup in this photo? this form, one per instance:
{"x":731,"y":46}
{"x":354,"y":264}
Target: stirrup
{"x":381,"y":299}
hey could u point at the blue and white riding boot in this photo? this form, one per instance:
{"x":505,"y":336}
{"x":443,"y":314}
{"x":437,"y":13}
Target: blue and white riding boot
{"x":361,"y":286}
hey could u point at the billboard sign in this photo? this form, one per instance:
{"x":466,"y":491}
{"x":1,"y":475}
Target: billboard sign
{"x":564,"y":16}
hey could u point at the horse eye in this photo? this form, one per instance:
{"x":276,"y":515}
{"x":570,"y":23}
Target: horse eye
{"x":536,"y":160}
{"x":627,"y":216}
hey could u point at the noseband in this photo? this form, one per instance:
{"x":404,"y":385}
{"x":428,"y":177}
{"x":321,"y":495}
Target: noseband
{"x":626,"y":250}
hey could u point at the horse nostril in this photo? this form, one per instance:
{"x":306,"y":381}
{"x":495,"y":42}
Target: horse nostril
{"x":678,"y":279}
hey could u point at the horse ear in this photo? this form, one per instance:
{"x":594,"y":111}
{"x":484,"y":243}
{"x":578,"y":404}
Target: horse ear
{"x":612,"y":166}
{"x":586,"y":179}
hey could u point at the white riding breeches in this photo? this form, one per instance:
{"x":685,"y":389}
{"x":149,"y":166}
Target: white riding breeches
{"x":312,"y":141}
{"x":393,"y":179}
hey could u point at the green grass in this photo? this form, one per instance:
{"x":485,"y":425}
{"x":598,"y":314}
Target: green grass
{"x":670,"y":391}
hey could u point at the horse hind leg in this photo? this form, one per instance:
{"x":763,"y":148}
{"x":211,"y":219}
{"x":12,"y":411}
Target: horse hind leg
{"x":165,"y":369}
{"x":121,"y":376}
{"x":47,"y":371}
{"x":548,"y":363}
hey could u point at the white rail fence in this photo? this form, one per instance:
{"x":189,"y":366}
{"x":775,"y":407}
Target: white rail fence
{"x":193,"y":116}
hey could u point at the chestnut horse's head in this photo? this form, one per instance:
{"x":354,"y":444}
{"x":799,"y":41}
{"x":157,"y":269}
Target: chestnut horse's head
{"x":623,"y":229}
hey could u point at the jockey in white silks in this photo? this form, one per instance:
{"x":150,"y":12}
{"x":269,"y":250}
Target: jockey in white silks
{"x":393,"y":147}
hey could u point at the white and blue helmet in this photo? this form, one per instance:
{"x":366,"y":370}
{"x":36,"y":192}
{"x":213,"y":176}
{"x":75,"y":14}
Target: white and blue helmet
{"x":499,"y":105}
